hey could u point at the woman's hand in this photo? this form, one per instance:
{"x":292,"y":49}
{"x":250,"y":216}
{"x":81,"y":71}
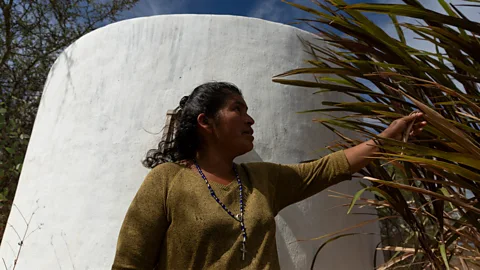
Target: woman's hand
{"x":359,"y":156}
{"x":397,"y":128}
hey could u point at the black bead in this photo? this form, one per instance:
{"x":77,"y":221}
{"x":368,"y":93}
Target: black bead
{"x":212,"y":193}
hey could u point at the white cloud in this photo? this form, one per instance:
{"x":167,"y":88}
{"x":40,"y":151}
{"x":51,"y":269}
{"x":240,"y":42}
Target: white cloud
{"x":271,"y":10}
{"x":278,"y":11}
{"x":155,"y":7}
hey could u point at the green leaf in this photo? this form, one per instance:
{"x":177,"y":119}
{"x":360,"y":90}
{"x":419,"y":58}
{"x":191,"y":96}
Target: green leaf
{"x":438,"y":121}
{"x":450,"y":12}
{"x":10,"y":150}
{"x":414,"y":149}
{"x":415,"y":12}
{"x":383,"y":65}
{"x":336,"y":80}
{"x":387,"y":113}
{"x":460,"y":170}
{"x":355,"y":198}
{"x":400,"y":34}
{"x":302,"y":83}
{"x":446,"y":193}
{"x":425,"y":192}
{"x":18,"y":158}
{"x":320,"y":71}
{"x":331,"y":240}
{"x":444,"y":255}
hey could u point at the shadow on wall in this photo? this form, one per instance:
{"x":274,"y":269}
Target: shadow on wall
{"x":251,"y":156}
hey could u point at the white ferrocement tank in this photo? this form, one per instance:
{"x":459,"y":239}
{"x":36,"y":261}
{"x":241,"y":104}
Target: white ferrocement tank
{"x":103,"y":107}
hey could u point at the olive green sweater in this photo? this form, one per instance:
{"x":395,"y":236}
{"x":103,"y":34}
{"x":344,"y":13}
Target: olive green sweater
{"x":174,"y":223}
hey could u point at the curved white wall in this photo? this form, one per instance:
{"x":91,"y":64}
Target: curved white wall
{"x":113,"y":85}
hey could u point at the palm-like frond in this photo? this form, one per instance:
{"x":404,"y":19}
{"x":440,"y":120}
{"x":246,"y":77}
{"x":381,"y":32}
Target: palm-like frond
{"x":431,"y":182}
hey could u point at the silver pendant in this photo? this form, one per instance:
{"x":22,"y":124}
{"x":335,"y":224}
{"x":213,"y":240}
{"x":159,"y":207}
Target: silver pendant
{"x":239,"y":217}
{"x":244,"y":251}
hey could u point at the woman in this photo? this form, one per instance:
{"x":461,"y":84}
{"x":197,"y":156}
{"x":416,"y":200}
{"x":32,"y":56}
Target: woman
{"x":196,"y":209}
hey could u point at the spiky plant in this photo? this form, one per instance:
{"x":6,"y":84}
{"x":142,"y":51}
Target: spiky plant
{"x":426,"y":188}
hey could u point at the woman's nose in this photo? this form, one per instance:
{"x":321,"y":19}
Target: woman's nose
{"x":250,"y":120}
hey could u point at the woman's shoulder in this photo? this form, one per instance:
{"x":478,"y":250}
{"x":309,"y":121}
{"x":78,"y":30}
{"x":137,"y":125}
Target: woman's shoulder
{"x":256,"y":163}
{"x":168,"y":167}
{"x":261,"y":166}
{"x":167,"y":170}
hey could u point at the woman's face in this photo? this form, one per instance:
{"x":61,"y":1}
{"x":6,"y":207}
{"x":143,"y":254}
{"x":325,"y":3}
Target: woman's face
{"x":233,"y":126}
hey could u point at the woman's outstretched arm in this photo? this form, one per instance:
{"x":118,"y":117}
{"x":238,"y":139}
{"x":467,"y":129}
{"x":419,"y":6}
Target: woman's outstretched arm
{"x":359,"y":156}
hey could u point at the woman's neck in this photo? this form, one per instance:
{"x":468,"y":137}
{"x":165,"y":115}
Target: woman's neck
{"x":216,"y":166}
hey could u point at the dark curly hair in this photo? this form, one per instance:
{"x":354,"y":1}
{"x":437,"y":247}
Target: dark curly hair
{"x":207,"y":98}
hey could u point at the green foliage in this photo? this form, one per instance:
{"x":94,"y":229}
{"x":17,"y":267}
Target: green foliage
{"x":32,"y":35}
{"x":12,"y":151}
{"x":430,"y":183}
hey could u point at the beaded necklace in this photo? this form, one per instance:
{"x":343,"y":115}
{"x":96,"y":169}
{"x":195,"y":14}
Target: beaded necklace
{"x":237,"y":217}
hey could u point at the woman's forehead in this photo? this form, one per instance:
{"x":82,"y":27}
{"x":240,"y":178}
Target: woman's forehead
{"x":236,"y":99}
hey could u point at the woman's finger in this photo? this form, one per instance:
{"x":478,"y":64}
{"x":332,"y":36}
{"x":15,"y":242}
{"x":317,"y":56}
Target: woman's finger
{"x":412,"y":117}
{"x":416,"y":131}
{"x":420,"y":124}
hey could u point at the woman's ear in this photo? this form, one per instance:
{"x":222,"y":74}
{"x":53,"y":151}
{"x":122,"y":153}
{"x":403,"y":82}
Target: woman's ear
{"x":204,"y":123}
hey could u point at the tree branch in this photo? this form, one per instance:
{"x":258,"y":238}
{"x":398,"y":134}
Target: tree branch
{"x":7,"y":16}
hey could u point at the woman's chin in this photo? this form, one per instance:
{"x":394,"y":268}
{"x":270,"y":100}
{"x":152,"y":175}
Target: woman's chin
{"x":248,"y":147}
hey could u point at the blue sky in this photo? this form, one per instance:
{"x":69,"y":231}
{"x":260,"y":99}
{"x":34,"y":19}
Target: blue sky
{"x":277,"y":11}
{"x":272,"y":10}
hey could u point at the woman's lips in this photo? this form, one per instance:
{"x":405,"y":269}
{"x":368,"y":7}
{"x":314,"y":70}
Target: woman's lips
{"x":248,"y":132}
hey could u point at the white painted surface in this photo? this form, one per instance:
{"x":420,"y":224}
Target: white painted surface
{"x":113,"y":85}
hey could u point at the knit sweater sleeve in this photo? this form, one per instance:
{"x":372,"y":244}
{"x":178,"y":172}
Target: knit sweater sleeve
{"x":295,"y":182}
{"x":144,"y":226}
